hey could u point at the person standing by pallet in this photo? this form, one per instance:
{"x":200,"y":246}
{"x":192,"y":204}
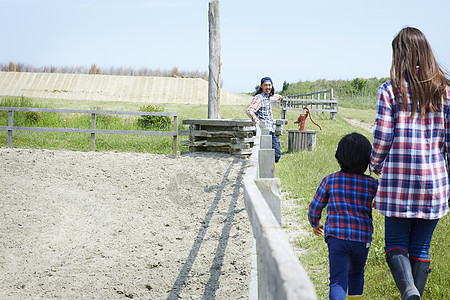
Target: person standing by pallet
{"x":260,"y":110}
{"x":410,"y":141}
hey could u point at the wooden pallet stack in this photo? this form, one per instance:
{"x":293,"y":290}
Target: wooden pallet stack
{"x":233,"y":136}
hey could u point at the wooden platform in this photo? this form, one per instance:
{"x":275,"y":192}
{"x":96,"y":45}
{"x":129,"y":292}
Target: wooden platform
{"x":234,"y":136}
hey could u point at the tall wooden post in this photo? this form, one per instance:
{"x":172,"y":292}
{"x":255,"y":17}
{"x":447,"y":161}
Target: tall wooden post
{"x":214,"y":61}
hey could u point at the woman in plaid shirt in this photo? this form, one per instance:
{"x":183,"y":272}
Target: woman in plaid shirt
{"x":411,"y":139}
{"x":348,"y":228}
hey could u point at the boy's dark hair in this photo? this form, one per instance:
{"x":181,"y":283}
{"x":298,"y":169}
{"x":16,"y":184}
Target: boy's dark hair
{"x":353,"y":153}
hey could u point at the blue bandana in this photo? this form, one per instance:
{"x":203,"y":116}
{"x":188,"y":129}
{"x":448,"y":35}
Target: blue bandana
{"x":264,"y":79}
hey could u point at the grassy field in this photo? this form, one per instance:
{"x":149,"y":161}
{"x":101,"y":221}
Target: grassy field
{"x":104,"y":142}
{"x":300,"y":173}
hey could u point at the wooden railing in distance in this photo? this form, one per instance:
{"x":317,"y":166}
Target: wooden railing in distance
{"x":11,"y":128}
{"x":280,"y":276}
{"x":322,"y":101}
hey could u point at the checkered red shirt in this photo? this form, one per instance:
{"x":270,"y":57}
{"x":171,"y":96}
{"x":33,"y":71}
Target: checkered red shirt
{"x":348,"y":198}
{"x":410,"y":151}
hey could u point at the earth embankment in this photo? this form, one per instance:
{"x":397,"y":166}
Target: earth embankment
{"x":146,"y":89}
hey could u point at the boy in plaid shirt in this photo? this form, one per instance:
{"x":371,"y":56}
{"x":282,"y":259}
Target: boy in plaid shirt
{"x":348,"y":228}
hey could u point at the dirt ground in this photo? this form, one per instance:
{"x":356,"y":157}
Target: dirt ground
{"x":364,"y":125}
{"x":90,"y":225}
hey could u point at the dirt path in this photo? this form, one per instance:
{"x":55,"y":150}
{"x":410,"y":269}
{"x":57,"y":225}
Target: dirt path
{"x":78,"y":225}
{"x":294,"y":221}
{"x":364,"y":125}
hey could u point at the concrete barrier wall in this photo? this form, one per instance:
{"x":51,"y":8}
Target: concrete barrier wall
{"x":280,"y":274}
{"x":97,"y":87}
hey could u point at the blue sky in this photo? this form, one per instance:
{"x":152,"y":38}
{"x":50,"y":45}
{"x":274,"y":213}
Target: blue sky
{"x":289,"y":40}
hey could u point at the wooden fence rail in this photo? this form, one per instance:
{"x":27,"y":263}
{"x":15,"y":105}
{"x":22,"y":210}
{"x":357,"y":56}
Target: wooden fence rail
{"x":322,"y":101}
{"x":280,"y":276}
{"x":11,"y":128}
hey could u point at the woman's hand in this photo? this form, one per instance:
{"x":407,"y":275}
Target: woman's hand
{"x":377,"y":172}
{"x":318,"y":230}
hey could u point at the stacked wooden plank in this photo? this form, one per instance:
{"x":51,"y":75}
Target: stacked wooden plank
{"x":233,"y":136}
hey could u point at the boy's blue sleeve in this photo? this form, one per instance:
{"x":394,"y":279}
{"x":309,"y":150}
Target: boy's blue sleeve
{"x":318,"y":204}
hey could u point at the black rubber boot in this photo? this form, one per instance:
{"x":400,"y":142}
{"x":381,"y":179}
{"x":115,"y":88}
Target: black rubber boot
{"x":420,"y":271}
{"x":400,"y":266}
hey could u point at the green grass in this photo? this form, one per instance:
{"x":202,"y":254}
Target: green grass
{"x":104,"y":142}
{"x":300,"y":173}
{"x":358,"y":102}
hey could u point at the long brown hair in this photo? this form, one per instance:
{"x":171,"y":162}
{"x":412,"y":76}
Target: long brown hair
{"x":413,"y":58}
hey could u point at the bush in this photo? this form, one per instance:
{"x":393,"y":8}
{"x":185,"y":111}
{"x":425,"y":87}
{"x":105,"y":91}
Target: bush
{"x":32,"y":118}
{"x":358,"y":87}
{"x":153,"y":122}
{"x":28,"y":118}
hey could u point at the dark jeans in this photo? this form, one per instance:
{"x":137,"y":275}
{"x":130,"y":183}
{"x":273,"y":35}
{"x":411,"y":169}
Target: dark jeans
{"x":276,"y":147}
{"x":411,"y":235}
{"x":347,"y":260}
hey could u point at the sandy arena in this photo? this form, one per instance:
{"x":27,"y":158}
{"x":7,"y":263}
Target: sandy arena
{"x":91,"y":225}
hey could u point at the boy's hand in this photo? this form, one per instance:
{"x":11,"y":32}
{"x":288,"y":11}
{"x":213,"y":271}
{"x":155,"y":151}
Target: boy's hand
{"x":318,"y":230}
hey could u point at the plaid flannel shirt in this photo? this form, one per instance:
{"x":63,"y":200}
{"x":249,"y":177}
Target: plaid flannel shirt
{"x":410,"y":152}
{"x":348,"y":198}
{"x":260,"y":109}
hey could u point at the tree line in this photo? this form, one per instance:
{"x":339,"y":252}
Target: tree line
{"x":94,"y":69}
{"x":358,"y":87}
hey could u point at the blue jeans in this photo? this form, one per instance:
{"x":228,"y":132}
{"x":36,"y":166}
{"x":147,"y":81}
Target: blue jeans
{"x":411,"y":235}
{"x":347,"y":260}
{"x":276,"y":147}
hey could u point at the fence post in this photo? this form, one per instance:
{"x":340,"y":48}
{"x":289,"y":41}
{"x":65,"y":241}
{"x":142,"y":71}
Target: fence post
{"x":266,"y":162}
{"x":334,"y":106}
{"x":175,"y":136}
{"x":214,"y":61}
{"x":270,"y":188}
{"x":265,"y":142}
{"x":10,"y":124}
{"x":283,"y":105}
{"x":264,"y":130}
{"x":93,"y":126}
{"x":283,"y":113}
